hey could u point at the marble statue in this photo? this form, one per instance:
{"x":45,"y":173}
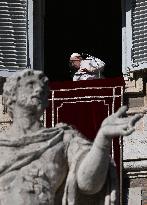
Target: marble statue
{"x":54,"y":166}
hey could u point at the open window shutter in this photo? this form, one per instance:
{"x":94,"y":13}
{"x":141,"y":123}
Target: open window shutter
{"x":139,"y":31}
{"x":13,"y":34}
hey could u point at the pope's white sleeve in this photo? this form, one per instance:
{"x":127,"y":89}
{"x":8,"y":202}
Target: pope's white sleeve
{"x":96,"y":64}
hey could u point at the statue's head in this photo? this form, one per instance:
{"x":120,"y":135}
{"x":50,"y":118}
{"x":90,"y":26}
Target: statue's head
{"x":27,"y":89}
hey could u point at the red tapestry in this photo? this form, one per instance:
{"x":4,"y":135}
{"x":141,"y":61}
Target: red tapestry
{"x":84,"y":104}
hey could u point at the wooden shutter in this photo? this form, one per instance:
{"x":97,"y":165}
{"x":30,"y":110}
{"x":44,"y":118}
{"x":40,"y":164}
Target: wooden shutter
{"x":139,"y":31}
{"x":13,"y":34}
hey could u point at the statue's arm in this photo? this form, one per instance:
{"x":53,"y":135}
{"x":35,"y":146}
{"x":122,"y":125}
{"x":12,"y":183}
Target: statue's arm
{"x":92,"y":171}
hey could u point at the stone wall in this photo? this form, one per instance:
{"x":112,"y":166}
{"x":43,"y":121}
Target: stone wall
{"x":134,"y":146}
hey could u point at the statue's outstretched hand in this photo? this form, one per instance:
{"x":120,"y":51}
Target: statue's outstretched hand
{"x":117,"y":125}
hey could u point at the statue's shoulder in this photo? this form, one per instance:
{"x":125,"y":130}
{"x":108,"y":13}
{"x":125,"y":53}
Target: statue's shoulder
{"x":73,"y":138}
{"x":69,"y":131}
{"x":64,"y":126}
{"x":72,"y":132}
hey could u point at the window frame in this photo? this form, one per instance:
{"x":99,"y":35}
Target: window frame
{"x":127,"y":41}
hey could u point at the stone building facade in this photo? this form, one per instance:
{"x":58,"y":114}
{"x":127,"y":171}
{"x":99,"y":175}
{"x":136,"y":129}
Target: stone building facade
{"x":134,"y":64}
{"x":134,"y":146}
